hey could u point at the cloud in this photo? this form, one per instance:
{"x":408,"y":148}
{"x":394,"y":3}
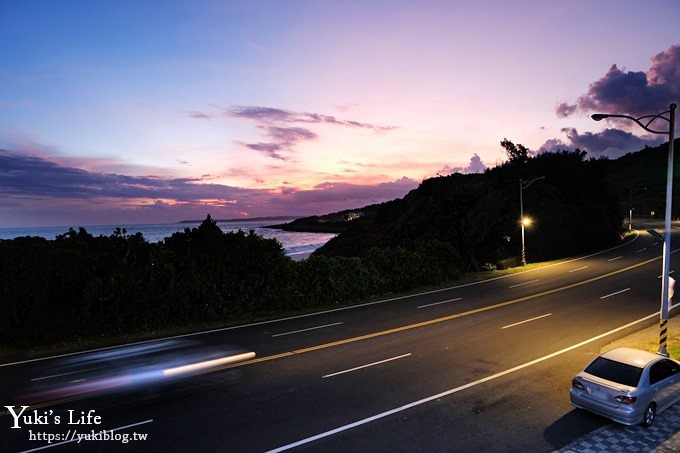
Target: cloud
{"x":555,"y":145}
{"x":29,"y":176}
{"x":290,"y":135}
{"x":199,"y":115}
{"x":632,"y":93}
{"x":274,"y":122}
{"x":282,"y":139}
{"x":475,"y":166}
{"x":564,"y":110}
{"x":610,"y":143}
{"x":38,"y":191}
{"x":625,"y":93}
{"x":337,"y":196}
{"x":271,"y":149}
{"x":274,"y":115}
{"x":262,"y":114}
{"x":360,"y":193}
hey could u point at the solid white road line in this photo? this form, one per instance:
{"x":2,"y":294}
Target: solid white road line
{"x":526,"y":320}
{"x":614,"y":294}
{"x":579,"y":269}
{"x":306,"y":330}
{"x":78,"y":439}
{"x":439,"y":303}
{"x":525,"y":283}
{"x":455,"y":390}
{"x":366,"y":366}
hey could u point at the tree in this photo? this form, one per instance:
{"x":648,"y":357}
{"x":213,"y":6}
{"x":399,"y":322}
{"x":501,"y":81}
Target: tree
{"x":518,"y":154}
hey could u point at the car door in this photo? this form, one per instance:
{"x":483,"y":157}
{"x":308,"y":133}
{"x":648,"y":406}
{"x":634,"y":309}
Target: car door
{"x":664,"y":380}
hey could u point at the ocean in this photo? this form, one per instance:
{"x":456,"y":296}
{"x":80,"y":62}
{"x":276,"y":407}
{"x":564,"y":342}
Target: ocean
{"x":295,"y":244}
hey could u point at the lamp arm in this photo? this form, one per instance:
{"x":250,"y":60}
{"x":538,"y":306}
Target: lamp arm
{"x":524,"y":185}
{"x":652,"y":118}
{"x":649,"y":120}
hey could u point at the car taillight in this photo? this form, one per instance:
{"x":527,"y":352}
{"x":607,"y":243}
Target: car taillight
{"x":626,"y":399}
{"x":576,"y":383}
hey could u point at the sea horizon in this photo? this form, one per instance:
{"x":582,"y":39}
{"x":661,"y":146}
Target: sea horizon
{"x":294,"y":243}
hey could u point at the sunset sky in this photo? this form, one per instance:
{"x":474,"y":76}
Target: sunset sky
{"x":129,"y":111}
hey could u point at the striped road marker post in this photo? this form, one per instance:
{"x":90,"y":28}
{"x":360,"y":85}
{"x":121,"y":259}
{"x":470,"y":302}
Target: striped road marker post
{"x":663,"y":336}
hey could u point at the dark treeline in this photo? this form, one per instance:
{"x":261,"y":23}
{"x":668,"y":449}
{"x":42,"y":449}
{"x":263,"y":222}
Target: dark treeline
{"x":80,"y":287}
{"x":572,"y":207}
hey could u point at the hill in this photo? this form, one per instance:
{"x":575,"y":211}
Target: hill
{"x":639,"y":181}
{"x":578,"y":206}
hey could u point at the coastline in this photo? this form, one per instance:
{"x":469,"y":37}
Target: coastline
{"x":301,"y":256}
{"x":293,"y":242}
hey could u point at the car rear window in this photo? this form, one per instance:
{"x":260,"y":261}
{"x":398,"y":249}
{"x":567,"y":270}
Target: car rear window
{"x":618,"y":372}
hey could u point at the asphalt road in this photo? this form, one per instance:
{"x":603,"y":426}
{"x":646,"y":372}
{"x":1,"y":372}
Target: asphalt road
{"x":479,"y":367}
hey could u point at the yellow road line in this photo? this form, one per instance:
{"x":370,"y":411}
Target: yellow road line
{"x":440,"y":320}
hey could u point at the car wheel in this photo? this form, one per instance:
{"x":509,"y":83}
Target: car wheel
{"x":649,"y":416}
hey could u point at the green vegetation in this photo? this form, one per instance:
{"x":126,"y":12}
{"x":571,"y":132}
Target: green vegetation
{"x":647,"y":339}
{"x":79,"y":287}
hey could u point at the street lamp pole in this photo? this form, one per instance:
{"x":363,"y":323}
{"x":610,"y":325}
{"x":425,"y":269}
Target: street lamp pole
{"x":522,"y":220}
{"x":630,"y":206}
{"x":645,"y":122}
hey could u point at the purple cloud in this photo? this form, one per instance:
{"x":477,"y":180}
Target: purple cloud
{"x":27,"y":176}
{"x":555,"y":145}
{"x":270,"y":149}
{"x":273,"y":115}
{"x":625,"y":93}
{"x":330,"y":194}
{"x":564,"y":110}
{"x":37,"y":191}
{"x":610,"y":143}
{"x":282,"y":139}
{"x":262,"y":114}
{"x":632,"y":93}
{"x":273,"y":121}
{"x":199,"y":115}
{"x":476,"y":165}
{"x":290,"y":135}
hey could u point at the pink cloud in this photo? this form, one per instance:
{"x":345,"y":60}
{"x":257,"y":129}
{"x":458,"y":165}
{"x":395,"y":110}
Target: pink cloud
{"x":38,"y":191}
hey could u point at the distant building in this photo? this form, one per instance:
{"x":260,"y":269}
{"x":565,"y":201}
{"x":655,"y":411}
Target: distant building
{"x":353,"y":216}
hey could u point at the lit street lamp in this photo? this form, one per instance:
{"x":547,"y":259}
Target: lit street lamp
{"x":524,"y":221}
{"x":645,"y":122}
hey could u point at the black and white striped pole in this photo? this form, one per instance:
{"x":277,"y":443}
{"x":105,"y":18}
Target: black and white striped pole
{"x":646,"y":122}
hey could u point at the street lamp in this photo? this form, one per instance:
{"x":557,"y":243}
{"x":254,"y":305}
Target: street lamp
{"x":630,"y":206}
{"x":645,"y":122}
{"x":524,"y":221}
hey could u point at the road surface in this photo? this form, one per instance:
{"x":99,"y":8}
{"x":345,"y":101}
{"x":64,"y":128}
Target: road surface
{"x":478,"y":367}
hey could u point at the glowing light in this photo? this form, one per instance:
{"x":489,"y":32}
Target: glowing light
{"x":526,"y":221}
{"x":199,"y":366}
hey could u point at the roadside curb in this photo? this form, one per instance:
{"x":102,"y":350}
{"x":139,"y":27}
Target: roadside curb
{"x":662,"y":437}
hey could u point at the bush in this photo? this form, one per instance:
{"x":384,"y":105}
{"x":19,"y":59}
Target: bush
{"x":79,"y":286}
